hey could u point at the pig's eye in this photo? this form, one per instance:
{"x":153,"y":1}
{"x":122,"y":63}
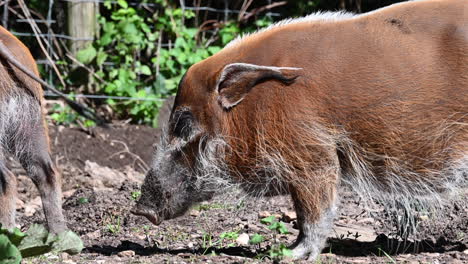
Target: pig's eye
{"x":182,"y":124}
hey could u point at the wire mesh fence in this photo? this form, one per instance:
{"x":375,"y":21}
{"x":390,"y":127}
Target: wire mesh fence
{"x":40,"y":28}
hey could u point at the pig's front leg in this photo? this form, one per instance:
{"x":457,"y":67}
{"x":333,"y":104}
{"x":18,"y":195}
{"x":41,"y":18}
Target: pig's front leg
{"x":315,"y":214}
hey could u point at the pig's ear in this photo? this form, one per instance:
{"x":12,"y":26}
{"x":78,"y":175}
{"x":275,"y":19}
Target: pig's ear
{"x":237,"y":79}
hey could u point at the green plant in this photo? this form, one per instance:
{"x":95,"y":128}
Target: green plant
{"x":277,"y":251}
{"x":211,"y":206}
{"x":230,"y":237}
{"x":226,"y":239}
{"x":135,"y":195}
{"x":63,"y":115}
{"x":256,"y":239}
{"x":83,"y":200}
{"x":386,"y":255}
{"x":16,"y":245}
{"x":124,"y":34}
{"x":114,"y":225}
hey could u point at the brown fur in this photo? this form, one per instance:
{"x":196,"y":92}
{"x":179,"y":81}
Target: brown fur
{"x":24,"y":134}
{"x":397,"y":93}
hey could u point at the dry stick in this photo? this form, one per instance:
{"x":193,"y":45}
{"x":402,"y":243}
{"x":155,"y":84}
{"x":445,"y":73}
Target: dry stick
{"x":39,"y":41}
{"x":80,"y":109}
{"x":158,"y":51}
{"x":261,"y":9}
{"x":7,"y":55}
{"x":37,"y":31}
{"x":85,"y":67}
{"x":245,"y":6}
{"x":127,"y":150}
{"x":54,"y":39}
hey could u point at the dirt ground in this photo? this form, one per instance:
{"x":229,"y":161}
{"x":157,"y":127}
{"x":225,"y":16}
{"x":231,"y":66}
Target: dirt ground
{"x":102,"y":170}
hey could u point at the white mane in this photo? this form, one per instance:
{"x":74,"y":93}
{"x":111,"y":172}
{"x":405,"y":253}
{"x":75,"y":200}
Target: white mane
{"x":314,"y":17}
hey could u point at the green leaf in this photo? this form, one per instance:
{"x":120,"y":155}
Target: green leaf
{"x":15,"y":235}
{"x":108,"y":4}
{"x":101,"y":58}
{"x":286,"y":252}
{"x":122,"y":3}
{"x":145,"y":70}
{"x":213,"y":49}
{"x":9,"y":254}
{"x":68,"y":242}
{"x":85,"y":56}
{"x":35,"y":241}
{"x":256,"y":239}
{"x":280,"y":227}
{"x":267,"y":220}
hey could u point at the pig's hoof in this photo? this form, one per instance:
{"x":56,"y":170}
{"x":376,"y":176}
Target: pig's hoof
{"x":303,"y":251}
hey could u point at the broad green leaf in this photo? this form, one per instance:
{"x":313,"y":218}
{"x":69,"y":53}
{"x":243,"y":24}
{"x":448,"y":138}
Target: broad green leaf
{"x":9,"y":254}
{"x":145,"y":70}
{"x":68,"y":242}
{"x":35,"y":241}
{"x":15,"y":235}
{"x":106,"y":39}
{"x":122,"y":3}
{"x":87,"y":55}
{"x":267,"y":220}
{"x":101,"y":58}
{"x":256,"y":239}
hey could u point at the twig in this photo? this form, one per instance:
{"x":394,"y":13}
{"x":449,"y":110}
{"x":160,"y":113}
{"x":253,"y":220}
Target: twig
{"x":261,"y":9}
{"x":127,"y":150}
{"x":85,"y":67}
{"x":158,"y":51}
{"x":36,"y":33}
{"x":245,"y":6}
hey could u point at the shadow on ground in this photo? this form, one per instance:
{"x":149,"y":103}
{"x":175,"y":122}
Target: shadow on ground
{"x":342,"y":247}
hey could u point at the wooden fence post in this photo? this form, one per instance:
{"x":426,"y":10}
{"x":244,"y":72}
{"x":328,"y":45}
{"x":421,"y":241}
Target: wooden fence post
{"x":82,"y":23}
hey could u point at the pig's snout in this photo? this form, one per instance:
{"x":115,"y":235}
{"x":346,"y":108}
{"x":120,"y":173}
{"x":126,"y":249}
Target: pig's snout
{"x":146,"y":212}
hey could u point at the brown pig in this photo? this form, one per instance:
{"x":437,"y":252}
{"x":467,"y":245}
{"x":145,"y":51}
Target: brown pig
{"x":23,"y":133}
{"x":377,"y":101}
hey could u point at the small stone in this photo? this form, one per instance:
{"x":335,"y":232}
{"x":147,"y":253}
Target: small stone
{"x":190,"y":245}
{"x":195,"y":236}
{"x":289,"y":216}
{"x":126,"y":253}
{"x":194,"y":213}
{"x":19,"y":203}
{"x":423,"y":217}
{"x":263,"y":214}
{"x":243,"y":239}
{"x":465,"y":252}
{"x":63,"y":256}
{"x":94,"y":235}
{"x":68,"y":193}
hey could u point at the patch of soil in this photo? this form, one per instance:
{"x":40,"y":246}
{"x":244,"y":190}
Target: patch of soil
{"x":114,"y":147}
